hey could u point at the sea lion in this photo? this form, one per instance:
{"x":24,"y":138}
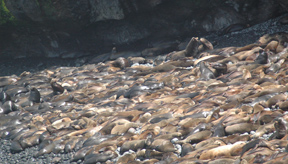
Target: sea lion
{"x":186,"y":148}
{"x":56,"y":87}
{"x":218,"y":130}
{"x":7,"y":80}
{"x":220,"y":68}
{"x":262,"y":58}
{"x":255,"y":143}
{"x":226,"y":150}
{"x":4,"y":97}
{"x":272,"y":46}
{"x":126,"y":158}
{"x":276,"y":99}
{"x":205,"y":45}
{"x":281,"y":37}
{"x":133,"y":145}
{"x":275,"y":67}
{"x":9,"y":107}
{"x":234,"y":28}
{"x":162,"y":145}
{"x":195,"y":138}
{"x":264,"y":129}
{"x":206,"y":73}
{"x":191,"y":50}
{"x":209,"y":58}
{"x":121,"y":63}
{"x":34,"y":95}
{"x":99,"y":157}
{"x":122,"y":129}
{"x":240,"y":128}
{"x":281,"y":126}
{"x":16,"y":147}
{"x":223,"y":161}
{"x":283,"y":105}
{"x":71,"y":144}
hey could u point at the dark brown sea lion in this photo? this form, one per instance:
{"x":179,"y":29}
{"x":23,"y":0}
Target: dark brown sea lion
{"x":192,"y":48}
{"x":221,"y":68}
{"x":34,"y":95}
{"x":234,"y":28}
{"x":281,"y":126}
{"x":262,"y":58}
{"x":256,"y":143}
{"x":56,"y":87}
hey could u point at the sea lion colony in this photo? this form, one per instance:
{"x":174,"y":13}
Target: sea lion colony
{"x":198,"y":105}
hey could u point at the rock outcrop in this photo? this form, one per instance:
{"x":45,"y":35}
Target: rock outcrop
{"x":76,"y":28}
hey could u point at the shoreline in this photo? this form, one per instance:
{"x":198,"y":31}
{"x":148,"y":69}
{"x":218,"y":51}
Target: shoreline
{"x":236,"y":39}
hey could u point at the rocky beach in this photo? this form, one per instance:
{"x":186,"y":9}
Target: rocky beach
{"x":178,"y":95}
{"x":119,"y":111}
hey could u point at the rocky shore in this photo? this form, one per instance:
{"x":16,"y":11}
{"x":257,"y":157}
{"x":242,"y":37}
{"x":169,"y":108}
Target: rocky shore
{"x":152,"y":107}
{"x":237,"y":39}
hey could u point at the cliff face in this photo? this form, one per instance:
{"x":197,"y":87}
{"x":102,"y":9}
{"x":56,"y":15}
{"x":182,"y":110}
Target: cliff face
{"x":55,"y":28}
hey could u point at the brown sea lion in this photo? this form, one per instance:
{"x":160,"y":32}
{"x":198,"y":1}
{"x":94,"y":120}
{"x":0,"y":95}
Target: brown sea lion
{"x":191,"y":50}
{"x":240,"y":128}
{"x":126,"y":158}
{"x":56,"y":87}
{"x":186,"y":148}
{"x":205,"y":45}
{"x":133,"y":145}
{"x":226,"y":151}
{"x":234,"y":28}
{"x":162,"y":145}
{"x":121,"y":63}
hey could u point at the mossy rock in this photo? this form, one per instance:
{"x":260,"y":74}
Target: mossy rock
{"x":5,"y":15}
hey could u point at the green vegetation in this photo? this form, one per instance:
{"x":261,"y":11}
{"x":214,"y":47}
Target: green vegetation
{"x":5,"y":15}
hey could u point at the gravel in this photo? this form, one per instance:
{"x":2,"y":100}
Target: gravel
{"x":28,"y":156}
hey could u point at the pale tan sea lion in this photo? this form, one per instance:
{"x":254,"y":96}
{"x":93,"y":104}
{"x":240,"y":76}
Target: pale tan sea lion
{"x":226,"y":151}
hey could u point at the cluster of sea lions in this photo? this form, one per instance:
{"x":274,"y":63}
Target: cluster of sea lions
{"x":198,"y":105}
